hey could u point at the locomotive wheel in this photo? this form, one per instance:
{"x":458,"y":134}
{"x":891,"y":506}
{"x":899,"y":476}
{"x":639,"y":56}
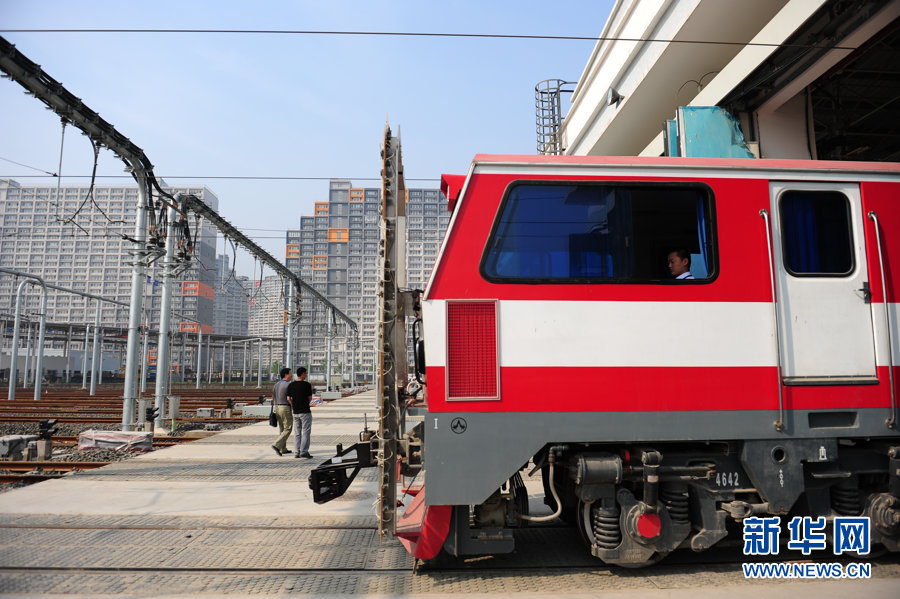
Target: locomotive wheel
{"x":583,"y":523}
{"x":585,"y":517}
{"x":586,"y":532}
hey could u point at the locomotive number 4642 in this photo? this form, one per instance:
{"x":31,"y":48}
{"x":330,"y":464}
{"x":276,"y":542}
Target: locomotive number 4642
{"x":727,"y":479}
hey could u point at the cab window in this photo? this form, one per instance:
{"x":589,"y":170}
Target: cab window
{"x":600,"y":233}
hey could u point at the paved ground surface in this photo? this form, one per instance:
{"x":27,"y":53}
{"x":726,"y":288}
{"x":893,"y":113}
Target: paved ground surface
{"x":225,"y":516}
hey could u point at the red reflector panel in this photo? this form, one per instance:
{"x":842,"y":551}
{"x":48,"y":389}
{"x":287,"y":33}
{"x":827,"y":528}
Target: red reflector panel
{"x":472,"y":350}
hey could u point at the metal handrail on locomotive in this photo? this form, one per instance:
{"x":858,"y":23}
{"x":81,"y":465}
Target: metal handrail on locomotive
{"x":762,"y":382}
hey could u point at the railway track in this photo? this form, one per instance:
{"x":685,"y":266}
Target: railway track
{"x":21,"y":471}
{"x":75,"y":409}
{"x":115,"y":420}
{"x":73,"y":405}
{"x":157,"y":441}
{"x":39,"y":471}
{"x":49,"y":466}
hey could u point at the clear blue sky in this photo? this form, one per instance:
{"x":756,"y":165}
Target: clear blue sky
{"x":288,"y":105}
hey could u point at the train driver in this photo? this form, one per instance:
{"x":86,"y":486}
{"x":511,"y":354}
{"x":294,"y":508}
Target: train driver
{"x":680,"y":264}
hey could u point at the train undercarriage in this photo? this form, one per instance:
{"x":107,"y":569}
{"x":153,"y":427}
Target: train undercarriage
{"x":633,"y":505}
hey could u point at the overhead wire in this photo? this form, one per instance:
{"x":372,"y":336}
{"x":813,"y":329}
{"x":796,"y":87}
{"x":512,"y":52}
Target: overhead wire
{"x":260,"y":283}
{"x":233,"y":265}
{"x":432,"y":34}
{"x":34,"y":168}
{"x":62,"y":140}
{"x":90,"y":192}
{"x":224,"y":283}
{"x":88,"y":196}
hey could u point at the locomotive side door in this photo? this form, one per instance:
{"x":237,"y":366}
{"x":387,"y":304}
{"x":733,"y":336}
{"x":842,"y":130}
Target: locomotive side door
{"x":821,"y":274}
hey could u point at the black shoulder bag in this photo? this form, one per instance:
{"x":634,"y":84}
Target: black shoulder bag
{"x":273,"y":420}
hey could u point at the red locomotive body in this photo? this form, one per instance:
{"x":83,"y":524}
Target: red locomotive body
{"x":555,"y":333}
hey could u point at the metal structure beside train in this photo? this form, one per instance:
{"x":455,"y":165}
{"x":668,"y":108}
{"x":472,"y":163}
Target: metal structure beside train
{"x":767,"y":384}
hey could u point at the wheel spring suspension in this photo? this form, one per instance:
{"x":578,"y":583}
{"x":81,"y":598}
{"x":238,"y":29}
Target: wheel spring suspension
{"x":845,"y":500}
{"x":675,"y":498}
{"x":605,"y":524}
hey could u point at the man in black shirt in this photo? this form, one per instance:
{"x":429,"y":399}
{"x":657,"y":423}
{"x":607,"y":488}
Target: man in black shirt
{"x":299,"y":394}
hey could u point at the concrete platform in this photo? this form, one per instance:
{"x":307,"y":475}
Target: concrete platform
{"x":233,"y":473}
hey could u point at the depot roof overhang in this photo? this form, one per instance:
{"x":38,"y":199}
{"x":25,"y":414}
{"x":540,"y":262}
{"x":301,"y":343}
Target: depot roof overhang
{"x":854,"y":95}
{"x":654,"y":76}
{"x":657,"y":78}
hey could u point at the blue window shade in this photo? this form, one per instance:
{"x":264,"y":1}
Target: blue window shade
{"x":596,"y":232}
{"x":549,"y":231}
{"x":815,"y":228}
{"x":701,"y":235}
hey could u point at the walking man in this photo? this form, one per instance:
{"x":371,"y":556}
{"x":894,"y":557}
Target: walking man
{"x":282,"y":411}
{"x":299,"y":394}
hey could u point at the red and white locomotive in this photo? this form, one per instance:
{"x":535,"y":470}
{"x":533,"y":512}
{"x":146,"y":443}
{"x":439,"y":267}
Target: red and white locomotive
{"x":659,"y":409}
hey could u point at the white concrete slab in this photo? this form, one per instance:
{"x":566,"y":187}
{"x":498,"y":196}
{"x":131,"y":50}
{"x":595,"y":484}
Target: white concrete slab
{"x":181,"y":498}
{"x":223,"y":497}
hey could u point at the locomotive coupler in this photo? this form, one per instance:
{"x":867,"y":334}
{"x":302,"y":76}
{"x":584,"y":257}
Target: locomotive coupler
{"x":330,"y":479}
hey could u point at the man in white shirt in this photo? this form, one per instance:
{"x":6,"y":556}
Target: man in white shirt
{"x":680,"y":264}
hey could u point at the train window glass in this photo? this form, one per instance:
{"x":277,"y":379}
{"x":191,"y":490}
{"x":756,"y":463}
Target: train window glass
{"x":600,"y":233}
{"x":815,"y":229}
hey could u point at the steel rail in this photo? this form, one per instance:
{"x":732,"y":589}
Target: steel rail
{"x":49,"y":466}
{"x":161,"y":441}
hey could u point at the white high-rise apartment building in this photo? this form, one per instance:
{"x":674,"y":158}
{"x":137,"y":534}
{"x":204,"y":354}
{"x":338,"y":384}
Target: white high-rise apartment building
{"x":74,"y":240}
{"x":335,"y":250}
{"x":266,"y":301}
{"x":232,"y":308}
